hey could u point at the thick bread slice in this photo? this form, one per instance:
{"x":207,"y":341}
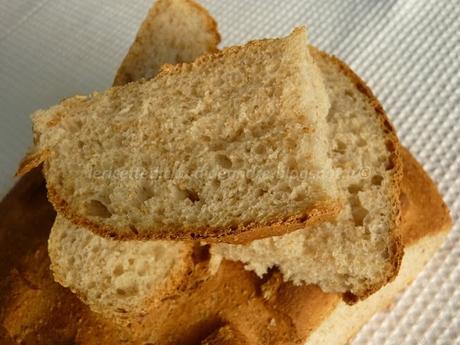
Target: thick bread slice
{"x":116,"y":277}
{"x":235,"y":142}
{"x":360,"y":251}
{"x":174,"y":31}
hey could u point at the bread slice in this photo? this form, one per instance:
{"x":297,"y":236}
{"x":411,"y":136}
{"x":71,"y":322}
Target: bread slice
{"x":116,"y":278}
{"x":234,"y":143}
{"x":174,"y":31}
{"x":360,"y":251}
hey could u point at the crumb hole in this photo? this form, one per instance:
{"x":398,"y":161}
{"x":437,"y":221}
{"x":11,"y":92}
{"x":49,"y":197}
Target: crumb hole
{"x":377,"y":180}
{"x":192,"y":195}
{"x":223,"y":161}
{"x":341,"y":146}
{"x":118,"y":270}
{"x":390,"y":145}
{"x":354,"y":188}
{"x":358,"y":211}
{"x":215,"y":183}
{"x":97,"y":209}
{"x":389,"y":165}
{"x":260,"y":149}
{"x":361,"y":142}
{"x":261,"y":192}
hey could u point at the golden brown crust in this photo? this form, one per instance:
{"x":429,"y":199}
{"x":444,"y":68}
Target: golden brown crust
{"x":394,"y":164}
{"x":123,"y":75}
{"x":424,"y":211}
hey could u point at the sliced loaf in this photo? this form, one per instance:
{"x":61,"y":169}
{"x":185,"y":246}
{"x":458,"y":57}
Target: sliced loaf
{"x":236,"y":142}
{"x":360,"y":251}
{"x":174,"y":31}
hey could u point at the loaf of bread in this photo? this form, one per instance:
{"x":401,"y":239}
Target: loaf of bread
{"x":359,"y":251}
{"x":236,"y":142}
{"x":35,"y":310}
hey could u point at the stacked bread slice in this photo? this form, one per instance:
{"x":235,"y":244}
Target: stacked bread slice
{"x":277,"y":156}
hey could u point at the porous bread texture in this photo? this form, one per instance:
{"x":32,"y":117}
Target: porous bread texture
{"x":235,"y":142}
{"x":118,"y":278}
{"x":174,"y":31}
{"x":359,"y":251}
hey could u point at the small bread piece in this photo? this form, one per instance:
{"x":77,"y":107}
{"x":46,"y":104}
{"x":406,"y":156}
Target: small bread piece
{"x":235,"y":142}
{"x":116,"y":278}
{"x":360,"y":250}
{"x":174,"y":31}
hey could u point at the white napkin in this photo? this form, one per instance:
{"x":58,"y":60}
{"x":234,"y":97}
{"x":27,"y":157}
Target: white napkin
{"x":407,"y":51}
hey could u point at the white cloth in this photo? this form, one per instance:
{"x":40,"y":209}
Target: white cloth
{"x":407,"y":51}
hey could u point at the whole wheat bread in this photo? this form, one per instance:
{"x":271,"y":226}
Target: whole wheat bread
{"x":234,"y":143}
{"x":358,"y":252}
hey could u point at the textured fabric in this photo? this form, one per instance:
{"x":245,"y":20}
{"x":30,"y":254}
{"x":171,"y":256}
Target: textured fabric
{"x":407,"y":51}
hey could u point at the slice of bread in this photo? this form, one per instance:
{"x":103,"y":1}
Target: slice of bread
{"x":360,"y":251}
{"x":116,"y":278}
{"x":174,"y":31}
{"x":234,"y":143}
